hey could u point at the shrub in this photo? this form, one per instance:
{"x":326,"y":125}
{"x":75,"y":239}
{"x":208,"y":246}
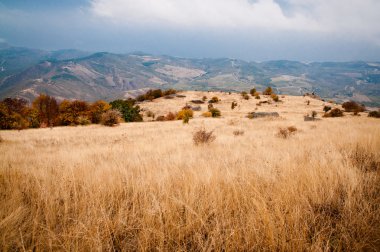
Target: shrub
{"x":314,"y":114}
{"x":252,"y":91}
{"x":245,"y":96}
{"x":128,"y":110}
{"x":275,"y":97}
{"x":204,"y":98}
{"x":238,"y":132}
{"x":186,"y":119}
{"x":214,"y":99}
{"x":334,"y":113}
{"x":326,"y":109}
{"x":150,"y":114}
{"x":207,"y":114}
{"x":233,"y":105}
{"x":375,"y":114}
{"x":111,"y":117}
{"x":201,"y":136}
{"x":215,"y":112}
{"x":210,"y":106}
{"x":170,"y":116}
{"x":161,"y":118}
{"x":169,"y":92}
{"x":268,"y":91}
{"x":352,"y":106}
{"x":184,"y":113}
{"x":286,"y":132}
{"x":257,"y":96}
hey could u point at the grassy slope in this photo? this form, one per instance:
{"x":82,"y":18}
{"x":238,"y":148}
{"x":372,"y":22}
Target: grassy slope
{"x":146,"y":186}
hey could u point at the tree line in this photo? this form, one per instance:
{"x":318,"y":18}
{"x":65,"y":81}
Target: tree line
{"x":46,"y":111}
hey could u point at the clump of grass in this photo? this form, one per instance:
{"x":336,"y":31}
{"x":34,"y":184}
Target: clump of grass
{"x":238,"y":132}
{"x":364,"y":159}
{"x":286,"y":132}
{"x":201,"y":136}
{"x":111,"y":117}
{"x":207,"y":114}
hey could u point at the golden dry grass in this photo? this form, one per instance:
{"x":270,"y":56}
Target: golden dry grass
{"x":146,"y":186}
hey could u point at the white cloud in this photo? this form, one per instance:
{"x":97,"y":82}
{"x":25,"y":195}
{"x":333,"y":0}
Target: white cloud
{"x":201,"y":13}
{"x":346,"y":17}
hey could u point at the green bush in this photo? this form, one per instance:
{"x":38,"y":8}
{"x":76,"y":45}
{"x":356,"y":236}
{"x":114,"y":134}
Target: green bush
{"x":215,"y":112}
{"x":129,"y":111}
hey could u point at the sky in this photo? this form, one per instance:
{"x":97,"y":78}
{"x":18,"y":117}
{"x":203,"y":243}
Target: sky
{"x":252,"y":30}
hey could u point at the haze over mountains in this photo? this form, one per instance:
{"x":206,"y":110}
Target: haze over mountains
{"x":73,"y":74}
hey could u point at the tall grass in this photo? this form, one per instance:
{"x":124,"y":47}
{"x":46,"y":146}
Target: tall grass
{"x":147,"y":187}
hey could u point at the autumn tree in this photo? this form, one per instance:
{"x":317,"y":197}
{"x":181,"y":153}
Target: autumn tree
{"x":13,"y":113}
{"x":97,"y":109}
{"x":71,"y":112}
{"x":47,"y":109}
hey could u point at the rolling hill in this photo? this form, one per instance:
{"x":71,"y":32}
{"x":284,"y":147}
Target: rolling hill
{"x":72,"y":74}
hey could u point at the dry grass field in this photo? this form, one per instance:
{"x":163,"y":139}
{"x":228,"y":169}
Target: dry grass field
{"x":146,"y":186}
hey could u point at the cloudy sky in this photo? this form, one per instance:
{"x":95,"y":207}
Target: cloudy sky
{"x":306,"y":30}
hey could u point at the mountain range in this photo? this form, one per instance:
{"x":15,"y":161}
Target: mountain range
{"x":74,"y":74}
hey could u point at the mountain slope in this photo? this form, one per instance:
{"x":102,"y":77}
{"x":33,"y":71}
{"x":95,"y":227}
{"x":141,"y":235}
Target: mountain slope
{"x":77,"y":75}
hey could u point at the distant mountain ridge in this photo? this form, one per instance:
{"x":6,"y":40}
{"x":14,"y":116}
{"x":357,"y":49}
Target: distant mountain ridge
{"x":73,"y":74}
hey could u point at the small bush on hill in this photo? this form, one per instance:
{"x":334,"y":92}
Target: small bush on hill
{"x":215,"y":112}
{"x":214,"y":99}
{"x":326,"y":109}
{"x":170,"y":116}
{"x":111,"y":117}
{"x":275,"y":97}
{"x":161,"y":118}
{"x":201,"y":136}
{"x":375,"y":114}
{"x":268,"y":91}
{"x":233,"y":105}
{"x":352,"y":106}
{"x":334,"y":113}
{"x":253,"y":91}
{"x":245,"y":95}
{"x":185,"y":113}
{"x":238,"y":132}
